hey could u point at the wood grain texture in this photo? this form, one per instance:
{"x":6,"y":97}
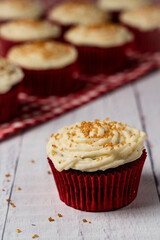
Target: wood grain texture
{"x":38,"y":200}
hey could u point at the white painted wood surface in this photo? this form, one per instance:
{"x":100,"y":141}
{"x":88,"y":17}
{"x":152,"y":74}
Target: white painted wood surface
{"x":137,"y":104}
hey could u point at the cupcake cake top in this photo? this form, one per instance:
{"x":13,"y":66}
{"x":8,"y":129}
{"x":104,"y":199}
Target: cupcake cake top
{"x":96,"y":145}
{"x":10,"y":75}
{"x":18,"y":9}
{"x":145,"y":18}
{"x":100,"y":35}
{"x":118,"y":5}
{"x":78,"y":12}
{"x":29,"y":29}
{"x":42,"y":55}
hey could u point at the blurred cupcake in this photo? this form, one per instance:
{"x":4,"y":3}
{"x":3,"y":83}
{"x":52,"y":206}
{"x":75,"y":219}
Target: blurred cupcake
{"x":97,"y":165}
{"x":10,"y":85}
{"x":145,"y":24}
{"x":48,"y":66}
{"x":18,"y":9}
{"x":101,"y":47}
{"x":71,"y":13}
{"x":20,"y":31}
{"x":115,"y":7}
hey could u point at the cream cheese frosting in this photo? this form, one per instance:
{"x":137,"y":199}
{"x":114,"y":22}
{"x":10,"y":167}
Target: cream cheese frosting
{"x":100,"y":35}
{"x":96,"y":145}
{"x":29,"y":29}
{"x":18,"y":9}
{"x":10,"y":75}
{"x":145,"y":18}
{"x":118,"y":5}
{"x":78,"y":12}
{"x":42,"y":55}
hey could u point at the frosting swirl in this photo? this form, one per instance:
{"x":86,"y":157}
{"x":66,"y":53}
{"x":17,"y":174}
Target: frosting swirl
{"x":96,"y":145}
{"x":10,"y":75}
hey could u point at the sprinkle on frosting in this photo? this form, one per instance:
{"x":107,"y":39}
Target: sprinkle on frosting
{"x":29,"y":29}
{"x":101,"y":35}
{"x":144,"y":18}
{"x":95,"y":145}
{"x":43,"y":55}
{"x":10,"y":75}
{"x":78,"y":12}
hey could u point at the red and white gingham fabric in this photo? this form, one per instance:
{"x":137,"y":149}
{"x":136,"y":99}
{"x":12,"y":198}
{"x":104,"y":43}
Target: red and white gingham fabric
{"x":34,"y":110}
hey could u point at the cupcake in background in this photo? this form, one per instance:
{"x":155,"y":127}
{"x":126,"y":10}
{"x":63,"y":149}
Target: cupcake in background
{"x":26,"y":30}
{"x":18,"y":9}
{"x":48,"y":66}
{"x":101,"y":48}
{"x":115,"y":7}
{"x":71,"y":13}
{"x":97,"y":165}
{"x":10,"y":85}
{"x":145,"y":25}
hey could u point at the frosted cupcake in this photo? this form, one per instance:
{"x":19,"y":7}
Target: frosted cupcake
{"x":10,"y":85}
{"x":18,"y":9}
{"x":20,"y":31}
{"x":97,"y":165}
{"x":72,"y":13}
{"x":48,"y":66}
{"x":101,"y":47}
{"x":145,"y":24}
{"x":115,"y":7}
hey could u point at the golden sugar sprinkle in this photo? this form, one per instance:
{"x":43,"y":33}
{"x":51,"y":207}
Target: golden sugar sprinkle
{"x":51,"y":219}
{"x":35,"y":236}
{"x":59,"y":215}
{"x":18,"y":231}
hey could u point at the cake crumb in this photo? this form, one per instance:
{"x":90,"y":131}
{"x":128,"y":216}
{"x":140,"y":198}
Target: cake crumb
{"x":7,"y":180}
{"x":32,"y":161}
{"x":49,"y":172}
{"x":33,"y":224}
{"x":151,"y":146}
{"x":59,"y":215}
{"x":35,"y":236}
{"x":51,"y":219}
{"x":3,"y":190}
{"x":7,"y":175}
{"x":84,"y":220}
{"x":19,"y":189}
{"x":18,"y":231}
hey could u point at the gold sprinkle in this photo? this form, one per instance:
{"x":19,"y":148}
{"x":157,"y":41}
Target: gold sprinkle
{"x":35,"y":236}
{"x":89,"y":222}
{"x":18,"y":231}
{"x":12,"y":204}
{"x":49,"y":172}
{"x":7,"y":175}
{"x":51,"y":219}
{"x":32,"y":161}
{"x":3,"y":190}
{"x":151,"y":146}
{"x":52,"y":135}
{"x":59,"y":215}
{"x":84,"y":220}
{"x":19,"y":189}
{"x":8,"y":200}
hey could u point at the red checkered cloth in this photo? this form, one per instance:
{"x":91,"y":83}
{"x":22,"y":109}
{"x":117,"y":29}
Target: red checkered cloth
{"x":34,"y":110}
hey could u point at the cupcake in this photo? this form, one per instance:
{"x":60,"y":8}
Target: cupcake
{"x":71,"y":13}
{"x":97,"y":165}
{"x":115,"y":7}
{"x":20,"y":31}
{"x":18,"y":9}
{"x":101,"y":47}
{"x":10,"y":85}
{"x":145,"y":24}
{"x":48,"y":66}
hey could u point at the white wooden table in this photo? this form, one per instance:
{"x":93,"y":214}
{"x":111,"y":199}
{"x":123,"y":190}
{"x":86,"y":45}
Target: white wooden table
{"x":137,"y":104}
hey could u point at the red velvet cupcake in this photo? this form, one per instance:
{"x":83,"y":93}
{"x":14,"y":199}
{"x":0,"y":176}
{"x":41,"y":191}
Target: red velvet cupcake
{"x":145,"y":25}
{"x":22,"y":31}
{"x":97,"y":165}
{"x":71,"y":13}
{"x":10,"y":85}
{"x":48,"y":67}
{"x":19,"y":9}
{"x":101,"y":48}
{"x":116,"y":7}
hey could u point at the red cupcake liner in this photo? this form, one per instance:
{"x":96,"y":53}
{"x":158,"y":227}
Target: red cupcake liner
{"x":146,"y":41}
{"x":9,"y":103}
{"x":102,"y":190}
{"x":95,"y":60}
{"x":5,"y":44}
{"x":49,"y":82}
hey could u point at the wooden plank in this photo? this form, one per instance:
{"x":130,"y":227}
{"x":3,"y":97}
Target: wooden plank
{"x":38,"y":200}
{"x":9,"y":152}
